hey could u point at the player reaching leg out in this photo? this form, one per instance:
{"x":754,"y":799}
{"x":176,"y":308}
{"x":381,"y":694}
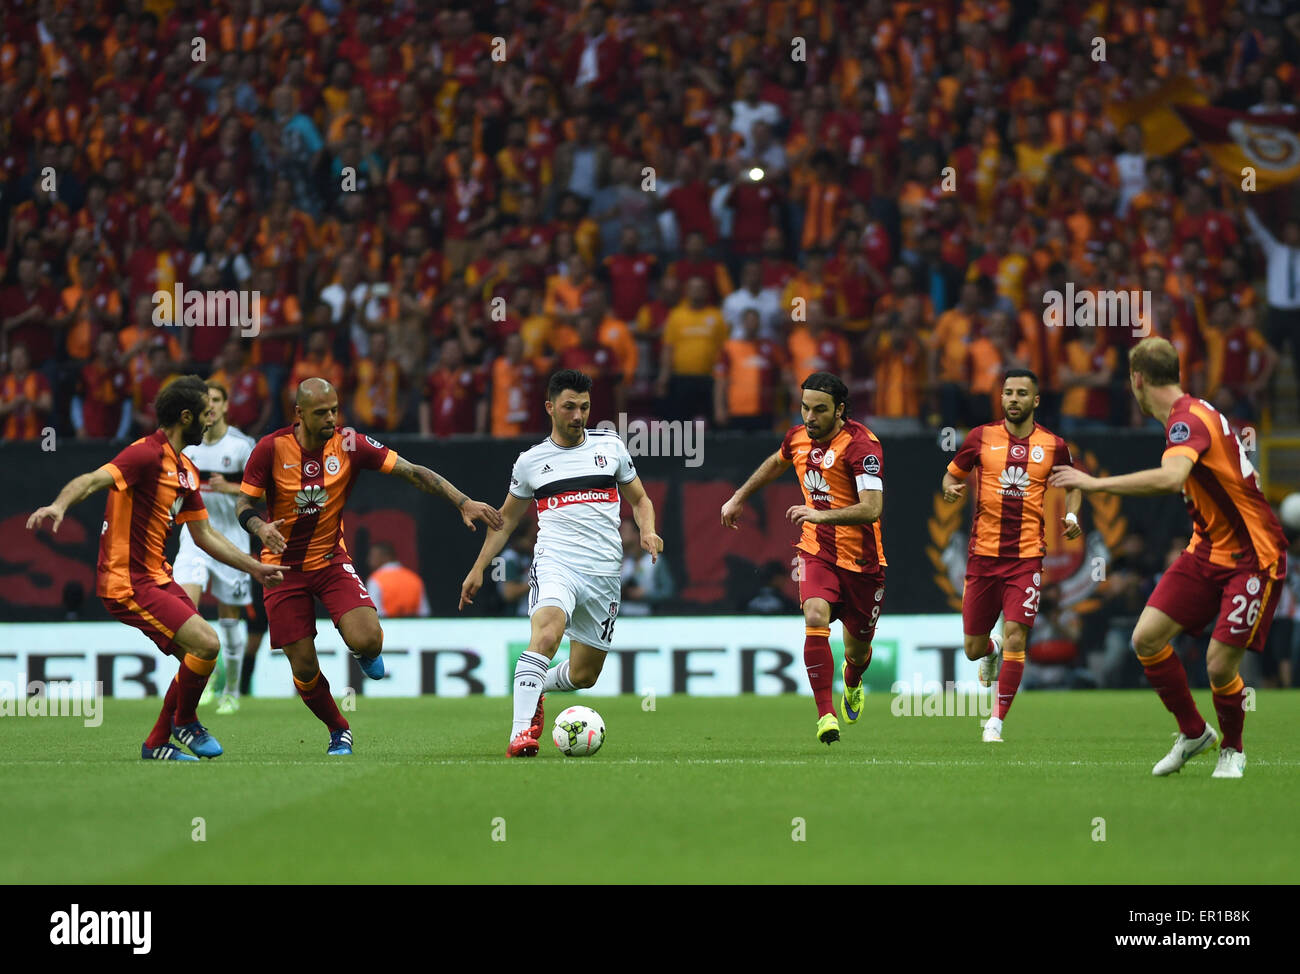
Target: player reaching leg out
{"x":841,"y":553}
{"x":1004,"y":565}
{"x":153,"y":485}
{"x":575,"y":477}
{"x":220,"y":460}
{"x":306,"y":472}
{"x":1233,"y":569}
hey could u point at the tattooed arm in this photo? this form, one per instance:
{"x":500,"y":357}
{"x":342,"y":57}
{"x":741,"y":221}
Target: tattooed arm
{"x":431,"y":483}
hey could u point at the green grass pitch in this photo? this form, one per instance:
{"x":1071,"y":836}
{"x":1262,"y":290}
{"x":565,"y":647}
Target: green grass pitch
{"x":697,"y":790}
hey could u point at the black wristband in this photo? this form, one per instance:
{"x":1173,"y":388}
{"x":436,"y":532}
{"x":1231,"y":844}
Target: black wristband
{"x":247,"y":515}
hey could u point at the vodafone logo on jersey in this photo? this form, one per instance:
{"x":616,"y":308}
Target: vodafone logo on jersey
{"x":606,"y":495}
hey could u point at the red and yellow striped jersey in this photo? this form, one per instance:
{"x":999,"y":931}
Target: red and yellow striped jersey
{"x":153,"y":487}
{"x":831,"y":474}
{"x":1233,"y":526}
{"x":1009,"y":490}
{"x":308,"y":490}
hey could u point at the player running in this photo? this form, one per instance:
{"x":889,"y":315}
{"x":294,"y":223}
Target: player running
{"x":153,"y":485}
{"x":841,"y":552}
{"x":1233,"y":568}
{"x":220,"y":460}
{"x":574,"y":476}
{"x":1004,"y":564}
{"x":306,"y":472}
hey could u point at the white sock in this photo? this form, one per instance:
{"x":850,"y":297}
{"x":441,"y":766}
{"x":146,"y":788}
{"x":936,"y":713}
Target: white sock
{"x":530,"y":678}
{"x":234,"y":637}
{"x":995,"y":723}
{"x":557,"y":678}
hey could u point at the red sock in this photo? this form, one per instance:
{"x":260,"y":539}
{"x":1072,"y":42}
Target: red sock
{"x":1229,"y":704}
{"x":1008,"y":682}
{"x":853,"y":672}
{"x":162,"y":730}
{"x":1168,"y":678}
{"x":192,"y":678}
{"x":315,"y":694}
{"x":820,"y":663}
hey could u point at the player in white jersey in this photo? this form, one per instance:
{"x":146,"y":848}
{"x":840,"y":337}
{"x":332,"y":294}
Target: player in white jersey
{"x":574,"y":477}
{"x":220,"y":459}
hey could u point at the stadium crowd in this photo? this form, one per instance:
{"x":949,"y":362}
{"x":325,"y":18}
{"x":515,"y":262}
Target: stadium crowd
{"x":432,"y":205}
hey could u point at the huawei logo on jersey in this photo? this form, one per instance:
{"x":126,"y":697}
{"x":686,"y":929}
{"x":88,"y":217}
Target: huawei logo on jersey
{"x":606,"y":496}
{"x":816,"y":485}
{"x":310,"y":500}
{"x":1014,"y":481}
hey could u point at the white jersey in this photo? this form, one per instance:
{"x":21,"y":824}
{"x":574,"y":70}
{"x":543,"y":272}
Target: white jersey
{"x":227,"y":456}
{"x":576,"y":490}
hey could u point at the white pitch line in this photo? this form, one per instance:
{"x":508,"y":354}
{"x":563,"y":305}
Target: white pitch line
{"x":632,"y":762}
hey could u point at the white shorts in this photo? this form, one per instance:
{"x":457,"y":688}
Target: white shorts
{"x":229,"y":587}
{"x":590,"y":602}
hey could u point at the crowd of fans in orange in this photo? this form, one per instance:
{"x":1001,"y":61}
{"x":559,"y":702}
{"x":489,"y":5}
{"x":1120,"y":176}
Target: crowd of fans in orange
{"x":433,"y":205}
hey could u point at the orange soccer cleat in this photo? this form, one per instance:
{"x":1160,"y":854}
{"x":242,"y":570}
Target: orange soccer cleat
{"x":523,"y":746}
{"x":539,"y":720}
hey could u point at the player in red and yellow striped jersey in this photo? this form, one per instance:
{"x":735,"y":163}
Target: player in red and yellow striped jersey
{"x":1232,"y":569}
{"x":841,"y":553}
{"x":306,"y":472}
{"x":153,"y":485}
{"x":1004,"y":565}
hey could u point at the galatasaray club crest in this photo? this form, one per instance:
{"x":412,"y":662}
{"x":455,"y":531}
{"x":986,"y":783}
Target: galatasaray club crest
{"x":1078,"y":566}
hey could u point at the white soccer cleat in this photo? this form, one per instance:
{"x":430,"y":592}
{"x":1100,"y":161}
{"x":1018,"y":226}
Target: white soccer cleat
{"x":1231,"y":763}
{"x":993,"y":731}
{"x":990,"y":664}
{"x":228,"y":704}
{"x":1183,"y":749}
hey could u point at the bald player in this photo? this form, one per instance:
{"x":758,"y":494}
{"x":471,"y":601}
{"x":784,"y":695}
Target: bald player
{"x":306,"y":472}
{"x":153,"y":485}
{"x":1232,"y":570}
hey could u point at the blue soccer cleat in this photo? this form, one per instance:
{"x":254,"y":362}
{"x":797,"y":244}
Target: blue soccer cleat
{"x":340,"y":743}
{"x":164,"y":752}
{"x":372,"y":667}
{"x":196,"y":737}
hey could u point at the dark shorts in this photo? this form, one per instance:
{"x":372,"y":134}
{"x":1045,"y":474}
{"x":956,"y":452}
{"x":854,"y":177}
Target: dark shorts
{"x":855,"y":597}
{"x":1193,"y":592}
{"x":158,"y":611}
{"x":1007,"y":586}
{"x":291,"y":605}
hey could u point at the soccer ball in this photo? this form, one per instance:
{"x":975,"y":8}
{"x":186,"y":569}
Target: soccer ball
{"x":579,"y":732}
{"x":1289,"y":512}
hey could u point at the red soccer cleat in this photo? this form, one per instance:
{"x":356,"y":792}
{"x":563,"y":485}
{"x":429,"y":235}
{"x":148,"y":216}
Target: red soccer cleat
{"x":523,"y":746}
{"x":539,"y":720}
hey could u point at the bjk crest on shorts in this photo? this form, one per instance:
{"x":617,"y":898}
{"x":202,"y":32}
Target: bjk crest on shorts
{"x":1252,"y":585}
